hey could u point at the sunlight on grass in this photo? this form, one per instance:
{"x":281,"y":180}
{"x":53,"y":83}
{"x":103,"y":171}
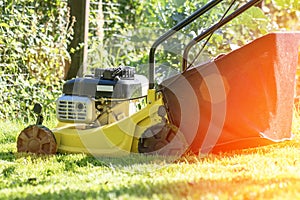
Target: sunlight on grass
{"x":271,"y":172}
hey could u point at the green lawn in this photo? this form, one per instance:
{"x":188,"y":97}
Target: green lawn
{"x":261,"y":173}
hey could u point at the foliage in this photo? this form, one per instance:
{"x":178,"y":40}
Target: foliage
{"x":138,"y":23}
{"x":285,"y":13}
{"x":33,"y":38}
{"x":135,"y":32}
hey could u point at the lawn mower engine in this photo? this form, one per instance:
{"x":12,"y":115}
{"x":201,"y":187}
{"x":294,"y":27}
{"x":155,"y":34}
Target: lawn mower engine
{"x":103,"y":98}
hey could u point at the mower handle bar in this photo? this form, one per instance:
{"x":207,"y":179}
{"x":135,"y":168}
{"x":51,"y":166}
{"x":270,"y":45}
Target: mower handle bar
{"x":212,"y":29}
{"x":184,"y":23}
{"x":171,"y":32}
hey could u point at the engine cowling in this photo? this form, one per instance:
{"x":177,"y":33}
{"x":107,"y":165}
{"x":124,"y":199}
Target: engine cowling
{"x":100,"y":96}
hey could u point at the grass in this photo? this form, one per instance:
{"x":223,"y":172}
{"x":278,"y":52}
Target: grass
{"x":270,"y":172}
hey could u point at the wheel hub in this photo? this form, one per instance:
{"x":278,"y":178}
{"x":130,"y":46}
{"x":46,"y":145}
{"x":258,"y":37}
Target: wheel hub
{"x":33,"y":145}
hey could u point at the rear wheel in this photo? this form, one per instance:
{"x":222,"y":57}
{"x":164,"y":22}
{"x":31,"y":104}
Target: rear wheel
{"x":162,"y":139}
{"x":36,"y":139}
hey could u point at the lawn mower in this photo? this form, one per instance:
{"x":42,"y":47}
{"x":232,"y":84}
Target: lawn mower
{"x":238,"y":100}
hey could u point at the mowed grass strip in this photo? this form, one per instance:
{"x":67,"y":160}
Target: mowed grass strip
{"x":271,"y":172}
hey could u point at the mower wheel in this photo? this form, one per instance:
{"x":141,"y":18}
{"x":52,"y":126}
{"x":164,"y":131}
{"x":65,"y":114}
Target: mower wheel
{"x":36,"y":139}
{"x":162,"y":139}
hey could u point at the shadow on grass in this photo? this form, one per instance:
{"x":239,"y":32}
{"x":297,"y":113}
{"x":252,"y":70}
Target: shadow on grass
{"x":73,"y":162}
{"x":135,"y":191}
{"x":136,"y":159}
{"x":7,"y":156}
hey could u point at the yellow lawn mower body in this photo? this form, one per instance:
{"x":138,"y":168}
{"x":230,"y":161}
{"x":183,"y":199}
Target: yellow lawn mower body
{"x":119,"y":138}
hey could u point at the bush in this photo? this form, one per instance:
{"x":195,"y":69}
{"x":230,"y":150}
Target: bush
{"x":34,"y":37}
{"x":139,"y":23}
